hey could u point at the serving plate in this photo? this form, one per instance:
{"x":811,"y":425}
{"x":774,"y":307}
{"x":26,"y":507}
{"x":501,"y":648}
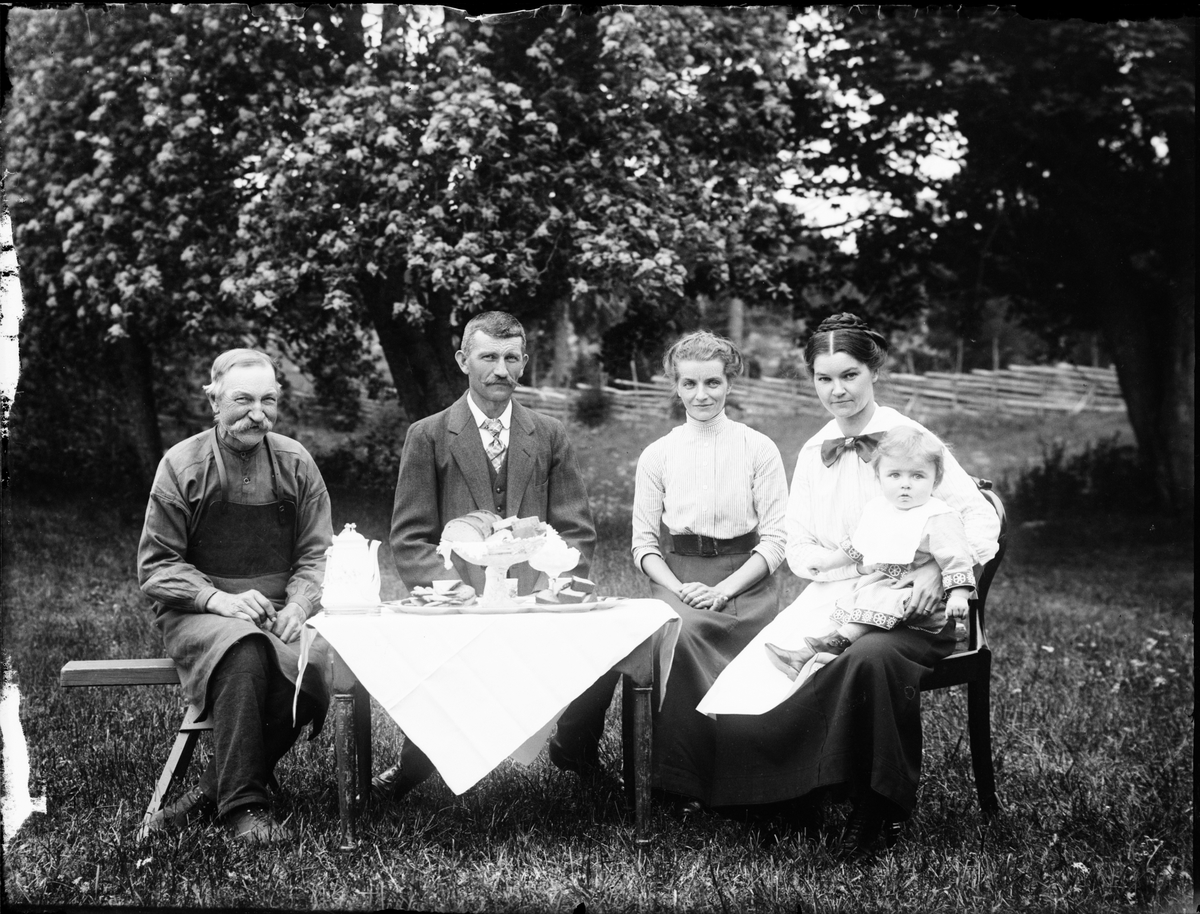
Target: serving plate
{"x":424,"y":608}
{"x":519,"y":605}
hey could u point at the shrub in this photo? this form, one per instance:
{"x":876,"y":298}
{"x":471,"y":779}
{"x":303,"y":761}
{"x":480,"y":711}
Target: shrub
{"x":592,"y":407}
{"x":1106,"y":476}
{"x":367,"y":462}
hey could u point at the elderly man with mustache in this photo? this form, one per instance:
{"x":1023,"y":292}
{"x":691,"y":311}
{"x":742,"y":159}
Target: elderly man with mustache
{"x":233,"y":553}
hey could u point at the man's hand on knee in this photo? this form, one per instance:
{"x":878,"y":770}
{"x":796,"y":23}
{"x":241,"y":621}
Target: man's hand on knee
{"x":288,"y":623}
{"x":250,"y":605}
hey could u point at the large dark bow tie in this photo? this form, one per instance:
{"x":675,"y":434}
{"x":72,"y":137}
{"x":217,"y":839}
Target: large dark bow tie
{"x":831,"y":448}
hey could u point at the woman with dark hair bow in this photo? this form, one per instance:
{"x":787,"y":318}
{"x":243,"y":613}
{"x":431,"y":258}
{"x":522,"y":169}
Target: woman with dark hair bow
{"x":854,"y":729}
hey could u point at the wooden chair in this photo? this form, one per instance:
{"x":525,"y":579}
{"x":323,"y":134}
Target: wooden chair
{"x":972,"y":666}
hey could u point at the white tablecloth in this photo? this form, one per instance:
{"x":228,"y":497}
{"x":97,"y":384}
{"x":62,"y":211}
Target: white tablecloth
{"x":472,"y":690}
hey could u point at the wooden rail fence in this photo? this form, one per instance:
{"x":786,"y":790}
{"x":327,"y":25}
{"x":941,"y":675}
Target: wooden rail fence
{"x":1027,"y":390}
{"x":1024,"y":390}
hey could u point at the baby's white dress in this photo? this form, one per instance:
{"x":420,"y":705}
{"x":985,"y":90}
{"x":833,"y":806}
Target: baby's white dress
{"x":896,"y":542}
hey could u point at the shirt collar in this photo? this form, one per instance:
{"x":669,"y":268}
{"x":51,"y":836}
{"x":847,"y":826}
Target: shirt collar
{"x":715,"y":424}
{"x":482,"y":417}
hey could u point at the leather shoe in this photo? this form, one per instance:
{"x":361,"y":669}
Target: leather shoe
{"x":806,"y":819}
{"x":255,"y":823}
{"x":192,"y":807}
{"x":585,"y":765}
{"x":863,"y":828}
{"x":679,"y":805}
{"x":891,"y":833}
{"x":391,"y":785}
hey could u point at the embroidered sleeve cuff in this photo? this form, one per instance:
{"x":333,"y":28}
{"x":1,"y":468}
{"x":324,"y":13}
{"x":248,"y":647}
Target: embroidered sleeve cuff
{"x":848,"y":547}
{"x":958,"y":579}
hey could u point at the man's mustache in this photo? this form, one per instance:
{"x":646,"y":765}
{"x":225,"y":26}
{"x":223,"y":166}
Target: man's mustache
{"x":245,"y":425}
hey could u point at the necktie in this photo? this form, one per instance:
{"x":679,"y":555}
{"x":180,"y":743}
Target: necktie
{"x":495,"y":447}
{"x":831,"y":448}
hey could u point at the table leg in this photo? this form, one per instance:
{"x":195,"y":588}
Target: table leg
{"x":362,"y":740}
{"x":344,"y":752}
{"x":643,"y":734}
{"x":344,"y":689}
{"x":637,"y":732}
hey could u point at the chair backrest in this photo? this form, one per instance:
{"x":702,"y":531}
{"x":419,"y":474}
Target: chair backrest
{"x":989,"y":570}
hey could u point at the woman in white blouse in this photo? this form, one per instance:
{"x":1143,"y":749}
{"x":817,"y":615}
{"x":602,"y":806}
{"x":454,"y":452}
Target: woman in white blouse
{"x":854,"y":730}
{"x":719,"y":489}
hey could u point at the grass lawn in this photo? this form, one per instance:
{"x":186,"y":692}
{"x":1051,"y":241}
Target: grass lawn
{"x":1093,"y":700}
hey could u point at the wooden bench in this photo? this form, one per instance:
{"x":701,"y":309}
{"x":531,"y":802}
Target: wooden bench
{"x":157,"y":671}
{"x":349,"y":705}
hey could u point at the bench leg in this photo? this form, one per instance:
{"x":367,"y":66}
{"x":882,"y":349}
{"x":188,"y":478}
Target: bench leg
{"x":177,"y":764}
{"x":979,"y":729}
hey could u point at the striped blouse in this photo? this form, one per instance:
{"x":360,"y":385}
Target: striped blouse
{"x":716,"y":478}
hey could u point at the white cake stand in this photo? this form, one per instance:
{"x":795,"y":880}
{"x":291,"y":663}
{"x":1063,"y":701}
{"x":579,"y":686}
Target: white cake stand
{"x":497,"y":558}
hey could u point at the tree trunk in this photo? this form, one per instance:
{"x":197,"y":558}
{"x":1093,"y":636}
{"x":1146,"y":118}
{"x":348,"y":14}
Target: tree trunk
{"x":1179,"y":414}
{"x":560,"y":370}
{"x":737,"y":321}
{"x":137,"y":410}
{"x":1149,"y":323}
{"x":419,"y":356}
{"x":1153,"y":345}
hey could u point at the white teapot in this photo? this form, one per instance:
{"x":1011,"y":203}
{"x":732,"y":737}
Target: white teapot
{"x":351,"y":573}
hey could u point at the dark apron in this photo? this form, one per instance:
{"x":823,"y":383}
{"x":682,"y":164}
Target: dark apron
{"x":239,"y":548}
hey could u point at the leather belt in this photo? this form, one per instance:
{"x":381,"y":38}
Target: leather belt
{"x":694,"y":544}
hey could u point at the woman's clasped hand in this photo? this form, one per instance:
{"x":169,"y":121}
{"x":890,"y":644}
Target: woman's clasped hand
{"x":702,"y":596}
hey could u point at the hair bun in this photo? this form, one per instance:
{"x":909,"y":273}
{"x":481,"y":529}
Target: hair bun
{"x":843,"y":321}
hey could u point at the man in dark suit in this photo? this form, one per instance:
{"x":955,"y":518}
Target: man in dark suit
{"x":486,"y":452}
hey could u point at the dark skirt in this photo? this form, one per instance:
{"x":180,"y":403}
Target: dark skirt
{"x":685,"y":739}
{"x":856,"y":725}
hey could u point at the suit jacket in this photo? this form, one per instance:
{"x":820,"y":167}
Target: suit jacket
{"x":444,"y":475}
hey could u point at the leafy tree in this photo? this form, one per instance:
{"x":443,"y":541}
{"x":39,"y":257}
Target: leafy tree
{"x":588,"y":166}
{"x":1076,"y":196}
{"x":128,"y":137}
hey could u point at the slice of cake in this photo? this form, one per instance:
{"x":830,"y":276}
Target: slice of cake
{"x":524,"y":528}
{"x":582,"y":585}
{"x":563,"y":596}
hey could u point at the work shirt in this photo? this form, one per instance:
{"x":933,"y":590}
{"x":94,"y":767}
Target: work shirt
{"x":187,"y":479}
